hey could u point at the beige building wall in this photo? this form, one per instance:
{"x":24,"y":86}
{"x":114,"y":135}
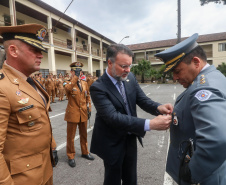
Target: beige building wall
{"x":44,"y":64}
{"x":218,"y":56}
{"x":62,"y":62}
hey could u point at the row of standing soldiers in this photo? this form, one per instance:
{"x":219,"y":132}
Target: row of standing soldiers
{"x":55,"y":85}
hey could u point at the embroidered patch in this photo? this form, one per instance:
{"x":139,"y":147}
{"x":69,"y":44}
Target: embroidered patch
{"x":203,"y":95}
{"x":23,"y":100}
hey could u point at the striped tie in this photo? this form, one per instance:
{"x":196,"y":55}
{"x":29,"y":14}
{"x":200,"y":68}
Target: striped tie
{"x":123,"y":94}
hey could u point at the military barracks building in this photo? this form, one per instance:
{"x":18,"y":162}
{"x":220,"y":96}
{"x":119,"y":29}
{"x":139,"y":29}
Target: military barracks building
{"x":68,"y":40}
{"x":213,"y":44}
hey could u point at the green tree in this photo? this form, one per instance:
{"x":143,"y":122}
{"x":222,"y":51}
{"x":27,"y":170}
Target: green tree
{"x":143,"y":68}
{"x":203,"y":2}
{"x":222,"y":68}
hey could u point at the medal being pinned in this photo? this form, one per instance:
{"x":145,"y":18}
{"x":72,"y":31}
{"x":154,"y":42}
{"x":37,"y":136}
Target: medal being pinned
{"x":175,"y":120}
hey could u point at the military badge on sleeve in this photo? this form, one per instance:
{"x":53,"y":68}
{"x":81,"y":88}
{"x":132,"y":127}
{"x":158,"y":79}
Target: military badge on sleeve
{"x":203,"y":95}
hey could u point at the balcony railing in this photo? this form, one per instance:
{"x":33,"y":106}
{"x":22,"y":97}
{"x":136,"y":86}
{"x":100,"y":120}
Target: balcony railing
{"x":83,"y":49}
{"x":96,"y":53}
{"x":61,"y":43}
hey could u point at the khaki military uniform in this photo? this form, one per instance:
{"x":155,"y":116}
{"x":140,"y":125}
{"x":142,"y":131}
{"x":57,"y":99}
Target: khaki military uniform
{"x":42,"y":81}
{"x":66,"y":79}
{"x":89,"y":81}
{"x":25,"y":131}
{"x":61,"y":88}
{"x":76,"y":114}
{"x":50,"y":87}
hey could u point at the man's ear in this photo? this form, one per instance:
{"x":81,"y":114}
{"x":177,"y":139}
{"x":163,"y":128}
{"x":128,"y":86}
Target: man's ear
{"x":13,"y":50}
{"x":109,"y":62}
{"x":197,"y":61}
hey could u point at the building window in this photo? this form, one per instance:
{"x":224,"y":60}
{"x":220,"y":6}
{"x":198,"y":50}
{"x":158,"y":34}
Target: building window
{"x":44,"y":72}
{"x":222,"y":47}
{"x":7,"y":20}
{"x":19,"y":22}
{"x":63,"y":72}
{"x":69,"y":44}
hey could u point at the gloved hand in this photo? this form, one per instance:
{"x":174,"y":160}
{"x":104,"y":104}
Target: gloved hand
{"x":77,"y":72}
{"x":55,"y":157}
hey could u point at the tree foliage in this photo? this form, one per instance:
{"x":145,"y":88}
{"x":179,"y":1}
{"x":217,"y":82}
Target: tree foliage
{"x":143,"y":68}
{"x":203,"y":2}
{"x":222,"y":68}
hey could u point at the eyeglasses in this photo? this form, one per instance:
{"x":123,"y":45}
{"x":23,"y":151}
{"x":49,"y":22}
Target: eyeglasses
{"x":125,"y":66}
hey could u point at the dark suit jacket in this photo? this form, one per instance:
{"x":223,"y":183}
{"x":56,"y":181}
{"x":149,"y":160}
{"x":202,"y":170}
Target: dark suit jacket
{"x":112,"y":123}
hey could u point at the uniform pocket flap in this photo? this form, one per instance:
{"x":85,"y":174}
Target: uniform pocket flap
{"x":25,"y":163}
{"x":28,"y":115}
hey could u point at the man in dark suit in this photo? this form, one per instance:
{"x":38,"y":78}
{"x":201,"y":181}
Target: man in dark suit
{"x":115,"y":96}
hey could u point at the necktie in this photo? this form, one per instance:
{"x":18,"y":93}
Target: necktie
{"x":123,"y":94}
{"x":31,"y":82}
{"x":79,"y":85}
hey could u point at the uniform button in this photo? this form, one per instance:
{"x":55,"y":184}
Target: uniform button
{"x":28,"y":165}
{"x":29,"y":117}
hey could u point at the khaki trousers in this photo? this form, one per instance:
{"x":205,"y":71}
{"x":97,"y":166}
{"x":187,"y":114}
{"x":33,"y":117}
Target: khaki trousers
{"x":61,"y":94}
{"x":71,"y":130}
{"x":51,"y":92}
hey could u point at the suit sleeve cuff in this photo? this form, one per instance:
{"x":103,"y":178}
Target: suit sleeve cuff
{"x":147,"y":125}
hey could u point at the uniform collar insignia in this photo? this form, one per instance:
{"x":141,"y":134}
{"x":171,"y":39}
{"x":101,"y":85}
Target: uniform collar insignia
{"x":15,"y":80}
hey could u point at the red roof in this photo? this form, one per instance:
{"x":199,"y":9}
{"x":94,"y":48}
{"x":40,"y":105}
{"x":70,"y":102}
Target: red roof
{"x":171,"y":42}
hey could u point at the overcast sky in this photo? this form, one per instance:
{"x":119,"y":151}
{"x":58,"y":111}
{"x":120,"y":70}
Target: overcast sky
{"x":145,"y":20}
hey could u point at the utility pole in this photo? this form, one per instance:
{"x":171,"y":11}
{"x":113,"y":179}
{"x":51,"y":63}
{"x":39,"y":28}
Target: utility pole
{"x":179,"y":21}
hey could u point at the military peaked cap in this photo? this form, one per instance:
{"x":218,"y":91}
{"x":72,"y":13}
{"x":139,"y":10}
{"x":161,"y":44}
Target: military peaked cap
{"x":76,"y":65}
{"x":174,"y":55}
{"x":32,"y":34}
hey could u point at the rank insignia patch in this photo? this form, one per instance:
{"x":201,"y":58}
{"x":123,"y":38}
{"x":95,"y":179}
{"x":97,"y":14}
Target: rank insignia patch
{"x":203,"y":95}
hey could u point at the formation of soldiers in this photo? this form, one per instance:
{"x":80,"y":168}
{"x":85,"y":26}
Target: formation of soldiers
{"x":54,"y":84}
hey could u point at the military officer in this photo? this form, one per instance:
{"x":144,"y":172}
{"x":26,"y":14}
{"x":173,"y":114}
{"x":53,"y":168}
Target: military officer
{"x":89,"y":80}
{"x":76,"y":113}
{"x":198,"y":140}
{"x":50,"y":86}
{"x":60,"y":82}
{"x":41,"y":79}
{"x":66,"y":80}
{"x":25,"y":130}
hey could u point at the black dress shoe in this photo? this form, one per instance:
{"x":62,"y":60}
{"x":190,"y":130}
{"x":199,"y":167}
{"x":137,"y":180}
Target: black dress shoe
{"x":71,"y":163}
{"x":88,"y":156}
